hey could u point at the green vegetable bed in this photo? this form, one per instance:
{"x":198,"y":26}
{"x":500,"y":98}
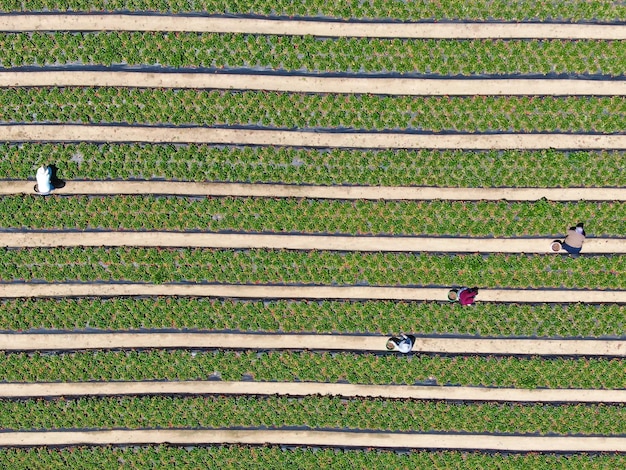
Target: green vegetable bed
{"x":282,"y":366}
{"x":310,"y":412}
{"x":289,"y":267}
{"x":466,"y":219}
{"x":439,"y":57}
{"x":300,"y":111}
{"x":384,"y":317}
{"x":564,"y":10}
{"x":236,"y":457}
{"x":546,"y":168}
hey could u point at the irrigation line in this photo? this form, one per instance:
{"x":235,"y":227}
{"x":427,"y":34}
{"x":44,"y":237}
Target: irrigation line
{"x":343,"y":439}
{"x":47,"y":239}
{"x":414,"y":193}
{"x":321,"y":342}
{"x":325,"y":139}
{"x":104,"y":289}
{"x":216,"y":387}
{"x":309,"y":84}
{"x":464,"y":30}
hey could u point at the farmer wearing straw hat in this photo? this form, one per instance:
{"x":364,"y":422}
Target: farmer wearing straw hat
{"x":573,"y":242}
{"x":403,"y":343}
{"x":464,"y":295}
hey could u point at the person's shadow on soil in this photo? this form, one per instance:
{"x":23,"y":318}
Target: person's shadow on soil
{"x":56,"y":182}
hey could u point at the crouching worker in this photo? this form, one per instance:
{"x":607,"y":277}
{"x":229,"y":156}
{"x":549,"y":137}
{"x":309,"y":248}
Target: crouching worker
{"x":464,"y":295}
{"x":44,"y":180}
{"x":403,"y":343}
{"x":573,"y":242}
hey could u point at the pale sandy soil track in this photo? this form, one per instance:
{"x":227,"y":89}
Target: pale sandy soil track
{"x":318,"y":438}
{"x":379,"y":140}
{"x":442,"y":30}
{"x":414,"y":392}
{"x":299,"y":242}
{"x":103,"y":289}
{"x":211,"y":340}
{"x":309,"y":84}
{"x":416,"y":193}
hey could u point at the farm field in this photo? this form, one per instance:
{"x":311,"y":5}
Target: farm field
{"x":258,"y":194}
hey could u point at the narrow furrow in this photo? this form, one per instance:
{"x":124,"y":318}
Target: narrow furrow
{"x":94,"y":22}
{"x":408,"y":193}
{"x":211,"y":340}
{"x":50,"y":239}
{"x":372,"y":140}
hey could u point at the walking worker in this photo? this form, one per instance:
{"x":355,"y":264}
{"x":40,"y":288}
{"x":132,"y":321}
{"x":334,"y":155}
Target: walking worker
{"x":464,"y":295}
{"x":403,"y":343}
{"x":573,"y":241}
{"x":44,"y":180}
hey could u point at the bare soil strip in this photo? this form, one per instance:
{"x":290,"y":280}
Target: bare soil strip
{"x":47,"y":239}
{"x":246,"y":341}
{"x":308,"y":84}
{"x":419,"y":392}
{"x":317,"y":438}
{"x":379,"y":140}
{"x":103,"y":289}
{"x":94,"y":22}
{"x":415,"y":193}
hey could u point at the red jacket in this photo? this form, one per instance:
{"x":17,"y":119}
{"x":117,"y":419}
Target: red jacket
{"x":466,"y":297}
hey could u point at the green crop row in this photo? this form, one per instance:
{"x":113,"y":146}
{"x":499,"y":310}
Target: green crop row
{"x":359,"y":55}
{"x":564,"y":10}
{"x":543,"y":168}
{"x":326,"y":216}
{"x":312,"y":412}
{"x":293,"y":110}
{"x":297,"y":267}
{"x":284,"y":366}
{"x":385,"y":317}
{"x":261,"y":458}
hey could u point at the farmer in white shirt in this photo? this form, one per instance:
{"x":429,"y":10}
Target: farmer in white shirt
{"x":403,"y":343}
{"x":44,"y":180}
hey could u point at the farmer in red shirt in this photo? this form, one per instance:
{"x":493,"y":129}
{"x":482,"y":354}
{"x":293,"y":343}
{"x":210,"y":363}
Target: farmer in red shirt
{"x":465,"y":295}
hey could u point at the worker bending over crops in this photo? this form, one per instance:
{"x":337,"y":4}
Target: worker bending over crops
{"x":403,"y":343}
{"x":464,"y":295}
{"x":44,"y":180}
{"x":573,"y":241}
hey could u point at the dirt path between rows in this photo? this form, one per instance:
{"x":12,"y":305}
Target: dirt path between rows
{"x":103,"y":289}
{"x":213,"y":387}
{"x":415,"y":193}
{"x":38,"y":239}
{"x":343,"y":342}
{"x":466,"y":30}
{"x":342,"y":439}
{"x":309,"y":84}
{"x":374,"y":140}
